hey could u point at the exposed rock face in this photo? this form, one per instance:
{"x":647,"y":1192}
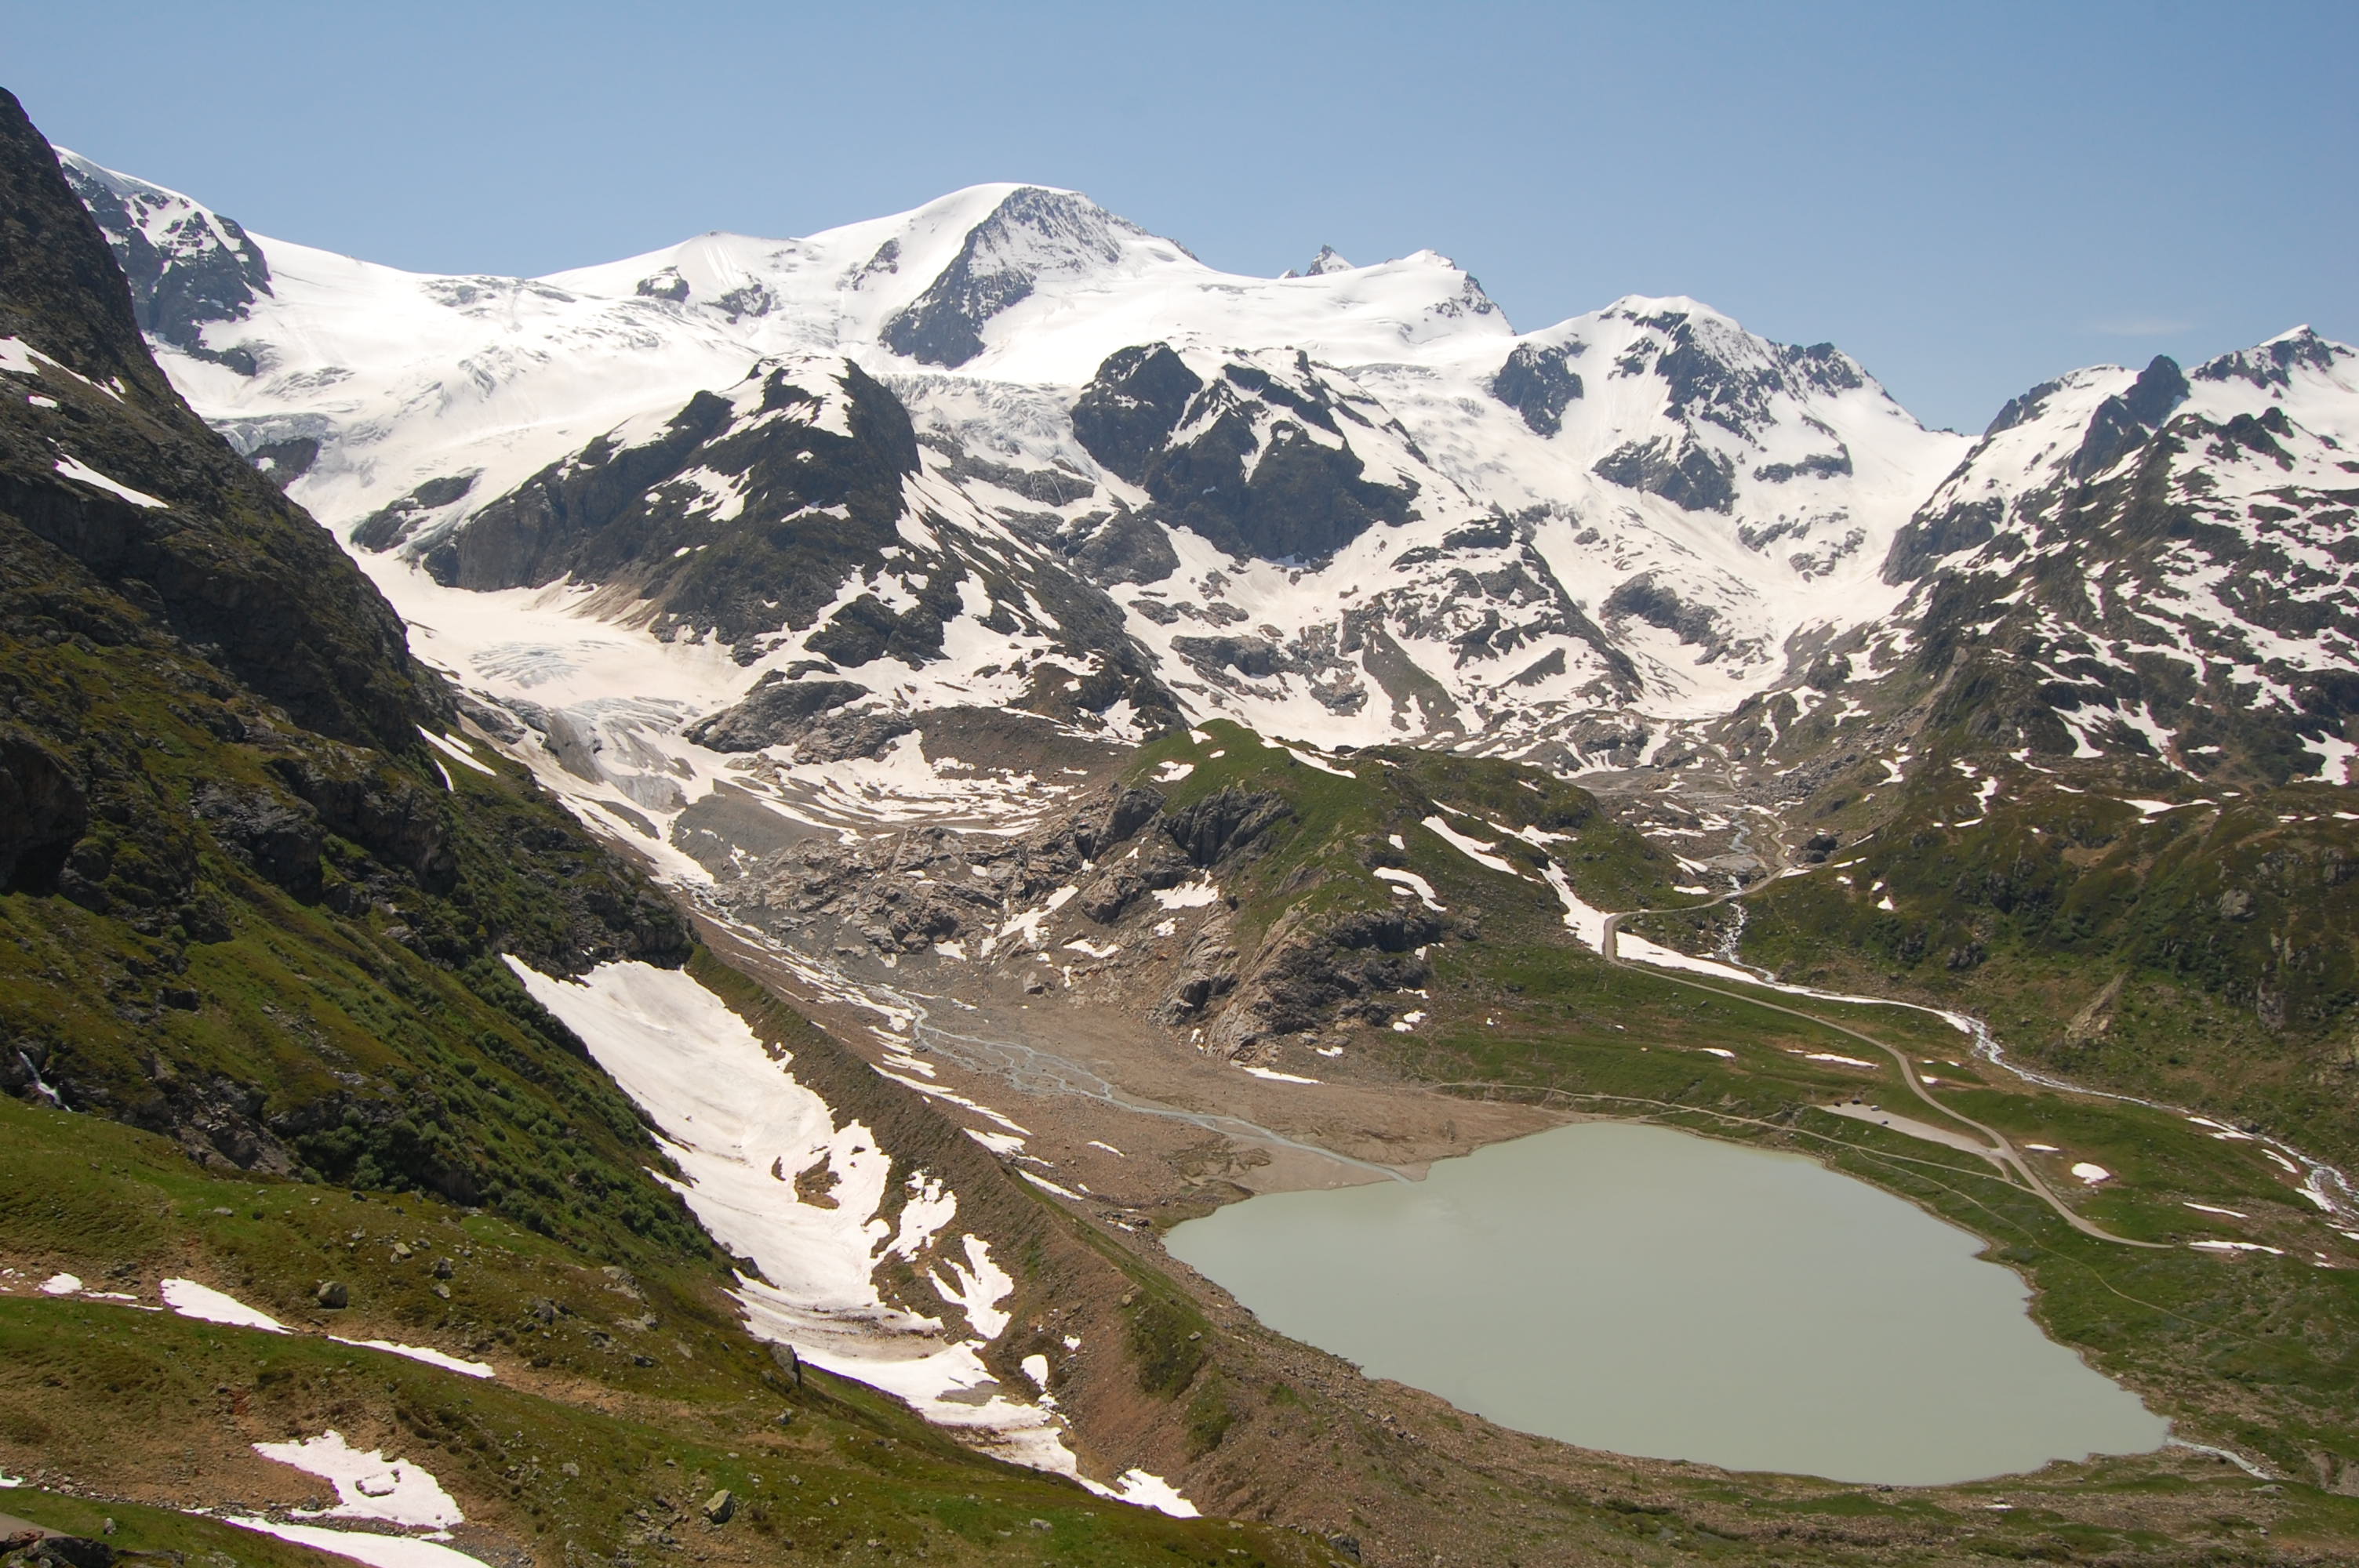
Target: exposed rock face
{"x":1224,"y":824}
{"x":1539,"y":384}
{"x":777,"y":712}
{"x":1684,"y":473}
{"x":1030,"y":232}
{"x":43,"y":812}
{"x":388,"y":525}
{"x":1258,"y":457}
{"x":619,"y":509}
{"x":1645,"y":598}
{"x":1132,"y":406}
{"x":2123,"y":423}
{"x":188,"y":269}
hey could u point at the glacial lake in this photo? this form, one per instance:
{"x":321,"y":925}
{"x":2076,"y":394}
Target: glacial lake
{"x":1647,"y":1291}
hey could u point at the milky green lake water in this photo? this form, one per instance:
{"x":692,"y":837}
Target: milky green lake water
{"x":1644,"y":1290}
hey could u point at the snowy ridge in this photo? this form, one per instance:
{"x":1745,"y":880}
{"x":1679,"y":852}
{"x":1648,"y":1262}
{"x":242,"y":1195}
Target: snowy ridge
{"x":2164,"y":549}
{"x":1677,"y":504}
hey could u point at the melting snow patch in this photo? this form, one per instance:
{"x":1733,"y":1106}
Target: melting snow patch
{"x":361,"y":1545}
{"x":73,"y":468}
{"x":2336,"y":755}
{"x":368,"y":1485}
{"x":1308,"y":761}
{"x":1045,"y":1185}
{"x":1147,"y":1490}
{"x":425,"y":1353}
{"x":1410,"y":883}
{"x":2237,"y":1247}
{"x":1094,"y":949}
{"x":20,"y":358}
{"x":1172,"y":772}
{"x":979,"y":1287}
{"x":454,"y":750}
{"x":1274,"y":1075}
{"x":2092,"y":1174}
{"x":1109,"y":1149}
{"x":1638,"y":951}
{"x":1585,"y":922}
{"x":1187,"y":895}
{"x":1473,"y":849}
{"x":60,"y":1285}
{"x":190,"y":1298}
{"x":2215,"y":1208}
{"x":1830,"y":1056}
{"x":738,"y":1124}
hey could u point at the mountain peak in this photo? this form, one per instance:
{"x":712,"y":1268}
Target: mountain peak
{"x":1031,"y":233}
{"x":1326,"y":261}
{"x":2272,"y":363}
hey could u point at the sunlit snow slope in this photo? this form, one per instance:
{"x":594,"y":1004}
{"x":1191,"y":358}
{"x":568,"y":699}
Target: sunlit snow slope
{"x":1418,"y":524}
{"x":1008,"y":453}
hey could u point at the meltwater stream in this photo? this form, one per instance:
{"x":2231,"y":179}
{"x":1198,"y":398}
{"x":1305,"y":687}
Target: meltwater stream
{"x":1648,"y":1292}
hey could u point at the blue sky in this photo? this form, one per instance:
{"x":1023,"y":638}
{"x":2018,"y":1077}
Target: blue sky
{"x":1968,"y":196}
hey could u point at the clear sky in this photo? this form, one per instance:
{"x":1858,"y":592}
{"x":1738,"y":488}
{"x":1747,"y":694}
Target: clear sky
{"x":1968,"y":196}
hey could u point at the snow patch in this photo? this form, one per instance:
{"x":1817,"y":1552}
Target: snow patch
{"x":368,"y":1485}
{"x":190,"y":1298}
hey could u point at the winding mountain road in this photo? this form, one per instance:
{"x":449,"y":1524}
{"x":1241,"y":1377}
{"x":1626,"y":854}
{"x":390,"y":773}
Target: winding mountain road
{"x":2001,"y":1148}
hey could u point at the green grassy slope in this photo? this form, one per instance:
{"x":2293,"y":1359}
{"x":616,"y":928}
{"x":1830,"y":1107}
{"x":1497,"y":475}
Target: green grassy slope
{"x":616,"y":1387}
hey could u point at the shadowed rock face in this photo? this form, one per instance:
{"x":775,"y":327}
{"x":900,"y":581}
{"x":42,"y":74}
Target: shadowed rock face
{"x":2123,"y":424}
{"x":1030,"y":232}
{"x":225,"y":562}
{"x":209,"y":730}
{"x":1250,"y":476}
{"x":1539,"y":384}
{"x":187,"y":269}
{"x":1682,"y":472}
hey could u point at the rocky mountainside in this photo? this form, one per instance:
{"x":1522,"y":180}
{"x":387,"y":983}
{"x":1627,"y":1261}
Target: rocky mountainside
{"x":2151,"y":564}
{"x":276,"y":922}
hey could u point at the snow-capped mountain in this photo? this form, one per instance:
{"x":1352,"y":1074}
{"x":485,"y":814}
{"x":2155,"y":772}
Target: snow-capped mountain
{"x":1008,"y":450}
{"x":2152,"y":564}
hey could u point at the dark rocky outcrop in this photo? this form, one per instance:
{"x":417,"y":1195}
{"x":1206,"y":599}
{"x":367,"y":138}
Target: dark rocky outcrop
{"x":195,"y":276}
{"x":1251,"y":478}
{"x":1539,"y":384}
{"x":996,"y":268}
{"x":1649,"y":598}
{"x":775,"y":712}
{"x":391,"y":523}
{"x":1688,"y":475}
{"x":1223,"y":824}
{"x":1129,"y":409}
{"x":2121,"y":424}
{"x":1931,"y":534}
